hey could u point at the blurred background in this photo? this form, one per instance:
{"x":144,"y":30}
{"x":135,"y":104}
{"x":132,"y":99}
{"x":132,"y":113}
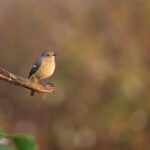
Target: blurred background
{"x":102,"y":79}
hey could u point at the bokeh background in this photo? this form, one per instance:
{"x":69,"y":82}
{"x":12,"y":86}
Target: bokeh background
{"x":102,"y":79}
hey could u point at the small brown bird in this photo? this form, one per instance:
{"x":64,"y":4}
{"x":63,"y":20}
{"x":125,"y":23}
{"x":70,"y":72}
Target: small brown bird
{"x":43,"y":68}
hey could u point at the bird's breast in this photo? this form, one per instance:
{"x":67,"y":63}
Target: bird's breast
{"x":46,"y":69}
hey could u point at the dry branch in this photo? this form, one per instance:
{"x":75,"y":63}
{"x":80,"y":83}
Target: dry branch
{"x":26,"y":83}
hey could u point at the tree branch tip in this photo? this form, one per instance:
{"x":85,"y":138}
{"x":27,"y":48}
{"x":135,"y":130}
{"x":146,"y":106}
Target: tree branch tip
{"x":26,"y":83}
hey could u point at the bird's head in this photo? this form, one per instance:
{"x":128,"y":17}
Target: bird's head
{"x":49,"y":55}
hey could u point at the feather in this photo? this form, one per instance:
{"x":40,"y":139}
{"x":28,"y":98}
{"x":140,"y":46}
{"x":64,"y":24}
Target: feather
{"x":35,"y":67}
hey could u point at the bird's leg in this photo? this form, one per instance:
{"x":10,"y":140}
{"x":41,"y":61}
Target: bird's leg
{"x":50,"y":84}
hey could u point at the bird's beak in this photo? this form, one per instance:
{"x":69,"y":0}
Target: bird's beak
{"x":54,"y":54}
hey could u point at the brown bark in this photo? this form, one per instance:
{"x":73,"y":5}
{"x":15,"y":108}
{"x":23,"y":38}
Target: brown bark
{"x":26,"y":83}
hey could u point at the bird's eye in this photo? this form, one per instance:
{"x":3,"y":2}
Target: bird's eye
{"x":47,"y":55}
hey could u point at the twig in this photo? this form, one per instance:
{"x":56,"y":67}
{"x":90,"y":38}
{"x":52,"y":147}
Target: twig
{"x":26,"y":83}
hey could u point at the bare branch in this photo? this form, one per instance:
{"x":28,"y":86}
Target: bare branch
{"x":26,"y":83}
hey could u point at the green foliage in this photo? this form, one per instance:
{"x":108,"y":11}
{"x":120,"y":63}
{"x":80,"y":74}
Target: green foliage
{"x":2,"y":134}
{"x":5,"y":147}
{"x":22,"y":142}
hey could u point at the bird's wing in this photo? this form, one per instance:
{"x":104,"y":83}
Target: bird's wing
{"x":35,"y":67}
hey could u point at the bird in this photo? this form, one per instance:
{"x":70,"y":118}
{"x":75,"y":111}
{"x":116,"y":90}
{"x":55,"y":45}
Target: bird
{"x":43,"y":67}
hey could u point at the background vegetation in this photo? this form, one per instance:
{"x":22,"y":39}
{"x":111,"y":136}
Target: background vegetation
{"x":102,"y":79}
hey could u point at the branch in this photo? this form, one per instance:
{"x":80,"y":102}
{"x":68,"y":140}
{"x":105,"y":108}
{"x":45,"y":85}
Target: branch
{"x":26,"y":83}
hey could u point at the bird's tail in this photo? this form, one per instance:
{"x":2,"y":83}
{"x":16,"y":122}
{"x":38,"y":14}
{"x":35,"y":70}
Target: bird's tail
{"x":32,"y":93}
